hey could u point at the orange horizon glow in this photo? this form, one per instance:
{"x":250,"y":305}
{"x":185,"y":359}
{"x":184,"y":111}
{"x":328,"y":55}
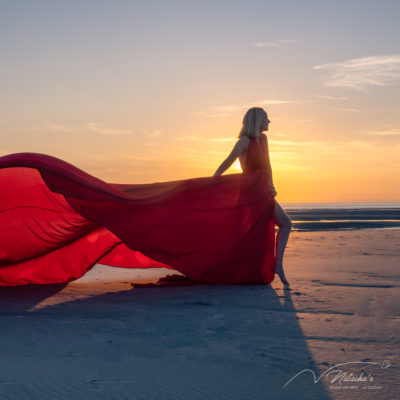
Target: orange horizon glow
{"x":305,"y":169}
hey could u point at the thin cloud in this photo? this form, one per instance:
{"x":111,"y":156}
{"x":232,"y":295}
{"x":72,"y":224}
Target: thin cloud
{"x":351,"y":110}
{"x":384,"y":132}
{"x":360,"y":73}
{"x":324,"y":146}
{"x":277,"y":43}
{"x":193,"y":165}
{"x":97,"y":128}
{"x":291,"y":167}
{"x":189,"y":137}
{"x":211,"y":114}
{"x":220,"y":111}
{"x":291,"y":143}
{"x":222,"y":139}
{"x":139,"y":158}
{"x":193,"y":151}
{"x":232,"y":109}
{"x":305,"y":121}
{"x":273,"y":142}
{"x":92,"y":126}
{"x":278,"y":134}
{"x":155,"y":133}
{"x":271,"y":102}
{"x":326,"y":97}
{"x":195,"y":138}
{"x":55,"y":127}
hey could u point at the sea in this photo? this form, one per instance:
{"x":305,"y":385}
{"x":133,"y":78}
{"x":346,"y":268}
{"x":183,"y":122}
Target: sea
{"x":343,"y":216}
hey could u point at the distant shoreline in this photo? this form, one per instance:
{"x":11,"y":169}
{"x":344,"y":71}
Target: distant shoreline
{"x":343,"y":216}
{"x":341,"y":205}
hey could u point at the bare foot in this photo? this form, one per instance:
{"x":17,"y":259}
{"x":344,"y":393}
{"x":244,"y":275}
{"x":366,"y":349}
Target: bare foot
{"x":279,"y":271}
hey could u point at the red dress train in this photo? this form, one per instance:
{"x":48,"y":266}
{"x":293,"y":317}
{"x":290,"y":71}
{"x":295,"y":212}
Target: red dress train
{"x":57,"y":221}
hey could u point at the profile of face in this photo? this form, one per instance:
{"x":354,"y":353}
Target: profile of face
{"x":265,"y":122}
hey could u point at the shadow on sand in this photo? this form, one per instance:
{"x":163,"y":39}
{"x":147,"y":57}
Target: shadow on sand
{"x":173,"y":342}
{"x":15,"y":300}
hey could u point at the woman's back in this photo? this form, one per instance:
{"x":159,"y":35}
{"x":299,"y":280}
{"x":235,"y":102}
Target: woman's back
{"x":255,"y":157}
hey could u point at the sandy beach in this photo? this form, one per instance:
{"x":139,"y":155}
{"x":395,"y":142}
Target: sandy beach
{"x":101,"y":338}
{"x":182,"y":134}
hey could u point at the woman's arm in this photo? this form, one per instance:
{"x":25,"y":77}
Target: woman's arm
{"x":238,"y":149}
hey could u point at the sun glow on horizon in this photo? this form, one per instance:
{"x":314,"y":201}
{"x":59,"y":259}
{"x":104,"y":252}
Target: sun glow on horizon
{"x":236,"y":165}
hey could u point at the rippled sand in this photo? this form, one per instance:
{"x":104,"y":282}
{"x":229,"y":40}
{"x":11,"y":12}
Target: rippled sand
{"x":101,"y":338}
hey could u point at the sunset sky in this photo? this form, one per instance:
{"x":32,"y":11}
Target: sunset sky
{"x":151,"y":91}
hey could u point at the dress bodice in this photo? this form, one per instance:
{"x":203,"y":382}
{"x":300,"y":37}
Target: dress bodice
{"x":256,"y":157}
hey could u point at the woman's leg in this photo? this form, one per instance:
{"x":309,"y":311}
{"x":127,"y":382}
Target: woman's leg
{"x":285,"y":225}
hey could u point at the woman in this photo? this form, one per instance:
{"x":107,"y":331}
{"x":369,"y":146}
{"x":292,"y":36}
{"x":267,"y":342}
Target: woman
{"x":255,"y":122}
{"x":212,"y":229}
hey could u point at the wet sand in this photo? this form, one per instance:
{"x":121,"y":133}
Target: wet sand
{"x":99,"y":337}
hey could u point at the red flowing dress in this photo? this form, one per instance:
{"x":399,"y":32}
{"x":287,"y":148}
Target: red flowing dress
{"x":57,"y":222}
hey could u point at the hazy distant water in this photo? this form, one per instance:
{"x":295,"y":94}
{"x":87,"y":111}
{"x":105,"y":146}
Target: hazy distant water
{"x":343,"y":216}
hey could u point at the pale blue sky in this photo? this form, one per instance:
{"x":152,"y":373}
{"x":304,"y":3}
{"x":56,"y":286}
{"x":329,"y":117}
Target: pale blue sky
{"x":156,"y":90}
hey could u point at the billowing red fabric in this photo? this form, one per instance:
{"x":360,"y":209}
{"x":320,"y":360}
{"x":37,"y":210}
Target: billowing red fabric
{"x":57,"y":221}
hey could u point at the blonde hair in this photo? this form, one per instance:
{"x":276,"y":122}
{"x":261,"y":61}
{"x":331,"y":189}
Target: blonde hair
{"x":252,"y":121}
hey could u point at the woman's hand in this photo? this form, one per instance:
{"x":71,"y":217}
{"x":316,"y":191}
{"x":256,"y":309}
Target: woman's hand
{"x":273,"y":191}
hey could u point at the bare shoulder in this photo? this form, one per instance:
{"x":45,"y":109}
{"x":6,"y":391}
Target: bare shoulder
{"x":244,"y":141}
{"x":239,"y":147}
{"x":242,"y":144}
